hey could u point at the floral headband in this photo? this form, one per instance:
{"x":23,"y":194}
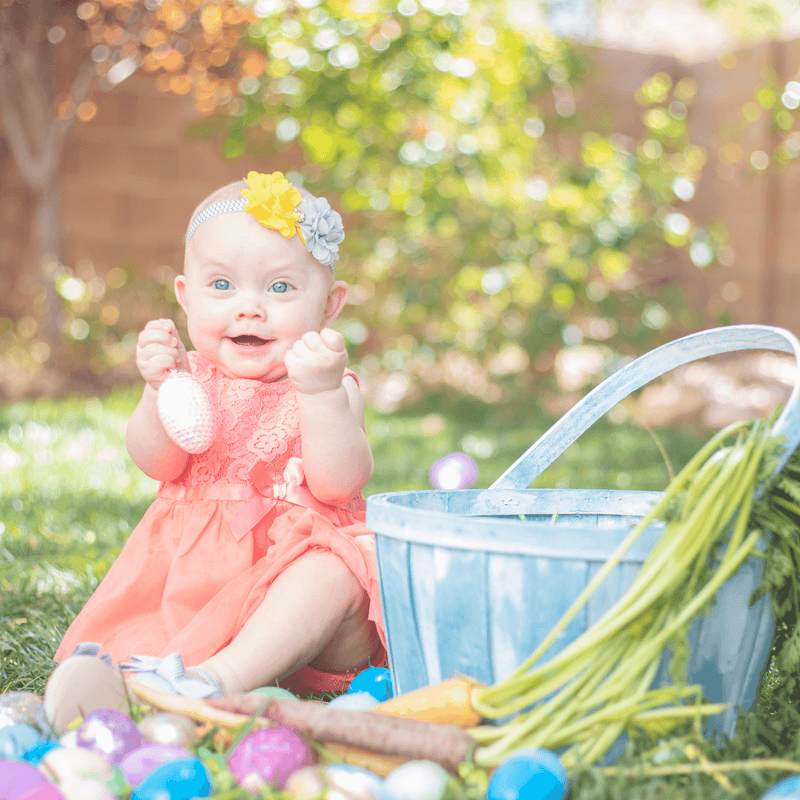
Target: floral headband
{"x":280,"y":206}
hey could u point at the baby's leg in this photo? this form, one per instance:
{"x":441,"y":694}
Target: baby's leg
{"x":315,"y":612}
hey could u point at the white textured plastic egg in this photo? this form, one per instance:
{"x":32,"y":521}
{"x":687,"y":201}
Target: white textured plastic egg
{"x":186,"y":413}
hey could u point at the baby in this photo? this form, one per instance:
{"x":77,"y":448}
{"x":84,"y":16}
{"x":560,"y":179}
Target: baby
{"x":253,"y":564}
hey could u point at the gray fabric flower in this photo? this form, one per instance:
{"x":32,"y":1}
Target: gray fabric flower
{"x":322,"y":229}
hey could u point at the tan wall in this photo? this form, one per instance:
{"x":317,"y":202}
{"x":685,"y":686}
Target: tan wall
{"x":758,"y":209}
{"x":131,"y":180}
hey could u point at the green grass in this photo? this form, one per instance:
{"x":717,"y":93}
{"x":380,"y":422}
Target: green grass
{"x":69,"y":497}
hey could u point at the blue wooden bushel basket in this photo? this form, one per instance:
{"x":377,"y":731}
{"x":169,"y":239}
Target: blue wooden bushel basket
{"x":472,"y":581}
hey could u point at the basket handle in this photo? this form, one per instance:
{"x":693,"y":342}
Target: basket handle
{"x":644,"y":369}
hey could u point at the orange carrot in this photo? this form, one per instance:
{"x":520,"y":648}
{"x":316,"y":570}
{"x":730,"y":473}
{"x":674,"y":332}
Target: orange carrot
{"x":448,"y":702}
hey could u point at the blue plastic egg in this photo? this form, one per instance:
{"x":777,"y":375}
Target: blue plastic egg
{"x":784,"y":790}
{"x":179,"y":780}
{"x":16,"y":739}
{"x":376,"y":681}
{"x":33,"y":755}
{"x":531,"y":774}
{"x":354,"y":701}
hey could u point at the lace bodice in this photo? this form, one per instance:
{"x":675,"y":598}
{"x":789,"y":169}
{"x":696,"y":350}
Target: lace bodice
{"x":254,"y":420}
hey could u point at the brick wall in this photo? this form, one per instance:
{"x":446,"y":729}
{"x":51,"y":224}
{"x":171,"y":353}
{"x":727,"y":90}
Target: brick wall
{"x":131,"y":180}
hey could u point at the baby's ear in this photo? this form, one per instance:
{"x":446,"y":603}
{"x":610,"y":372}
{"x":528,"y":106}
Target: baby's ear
{"x":180,"y":291}
{"x":337,"y":297}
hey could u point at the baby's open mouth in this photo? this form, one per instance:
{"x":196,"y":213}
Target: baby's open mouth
{"x":249,"y":340}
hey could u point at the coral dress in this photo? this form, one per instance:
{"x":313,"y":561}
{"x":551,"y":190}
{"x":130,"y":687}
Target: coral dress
{"x":206,"y":551}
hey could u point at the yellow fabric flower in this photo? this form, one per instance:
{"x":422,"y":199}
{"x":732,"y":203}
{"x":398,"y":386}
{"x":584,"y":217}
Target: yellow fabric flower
{"x":273,"y":201}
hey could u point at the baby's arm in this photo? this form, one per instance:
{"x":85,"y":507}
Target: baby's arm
{"x":158,"y":350}
{"x":337,"y":459}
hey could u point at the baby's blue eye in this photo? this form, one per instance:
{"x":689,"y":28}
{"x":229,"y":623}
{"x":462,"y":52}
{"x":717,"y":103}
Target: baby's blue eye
{"x":280,"y":287}
{"x":222,"y":284}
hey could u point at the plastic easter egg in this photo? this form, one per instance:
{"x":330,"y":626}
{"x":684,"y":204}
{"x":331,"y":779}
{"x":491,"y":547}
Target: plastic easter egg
{"x":354,"y":701}
{"x":456,"y":471}
{"x":307,"y":783}
{"x":531,"y":774}
{"x":420,"y":780}
{"x":69,"y":739}
{"x":376,"y":681}
{"x":335,"y":782}
{"x":178,"y":780}
{"x":34,"y":755}
{"x":169,"y":728}
{"x":139,"y":763}
{"x":356,"y":783}
{"x":186,"y":412}
{"x":273,"y":691}
{"x":20,"y":781}
{"x":86,"y":789}
{"x":109,"y":732}
{"x":25,"y":707}
{"x":63,"y":764}
{"x":788,"y":789}
{"x":269,"y":756}
{"x":16,"y":739}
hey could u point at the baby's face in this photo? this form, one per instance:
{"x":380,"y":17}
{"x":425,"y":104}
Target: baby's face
{"x":249,"y":294}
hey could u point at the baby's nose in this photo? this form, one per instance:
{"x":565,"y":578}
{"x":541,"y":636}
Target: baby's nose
{"x":251,"y":307}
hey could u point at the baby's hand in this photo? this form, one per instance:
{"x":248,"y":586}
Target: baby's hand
{"x":160,"y":350}
{"x":315,"y":363}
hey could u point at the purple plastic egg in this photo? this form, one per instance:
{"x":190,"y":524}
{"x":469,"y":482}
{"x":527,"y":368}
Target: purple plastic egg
{"x":111,"y":733}
{"x":269,"y":756}
{"x":139,"y":763}
{"x":456,"y":471}
{"x":21,"y":781}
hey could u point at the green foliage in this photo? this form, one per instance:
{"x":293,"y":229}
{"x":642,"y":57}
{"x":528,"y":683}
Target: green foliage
{"x":488,"y":219}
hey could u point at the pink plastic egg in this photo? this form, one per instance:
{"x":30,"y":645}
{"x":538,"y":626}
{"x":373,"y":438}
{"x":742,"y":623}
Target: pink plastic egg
{"x":186,"y":412}
{"x":21,"y":781}
{"x":139,"y":763}
{"x":110,"y":733}
{"x":269,"y":756}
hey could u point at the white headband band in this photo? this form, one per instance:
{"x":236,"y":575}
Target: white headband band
{"x":277,"y":204}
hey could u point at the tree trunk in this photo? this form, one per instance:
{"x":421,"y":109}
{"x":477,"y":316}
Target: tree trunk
{"x":49,"y":233}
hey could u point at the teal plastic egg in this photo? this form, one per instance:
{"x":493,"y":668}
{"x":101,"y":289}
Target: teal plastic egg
{"x":784,"y":790}
{"x":376,"y":681}
{"x":21,"y":781}
{"x":16,"y":739}
{"x":354,"y":701}
{"x":33,"y":755}
{"x":532,"y":774}
{"x":179,"y":780}
{"x":420,"y":780}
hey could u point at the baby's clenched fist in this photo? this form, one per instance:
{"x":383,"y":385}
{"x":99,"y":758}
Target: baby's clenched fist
{"x":315,"y":362}
{"x":159,"y":351}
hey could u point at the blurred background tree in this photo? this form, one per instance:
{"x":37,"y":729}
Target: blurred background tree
{"x":58,"y":58}
{"x":489,"y":220}
{"x":496,"y":221}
